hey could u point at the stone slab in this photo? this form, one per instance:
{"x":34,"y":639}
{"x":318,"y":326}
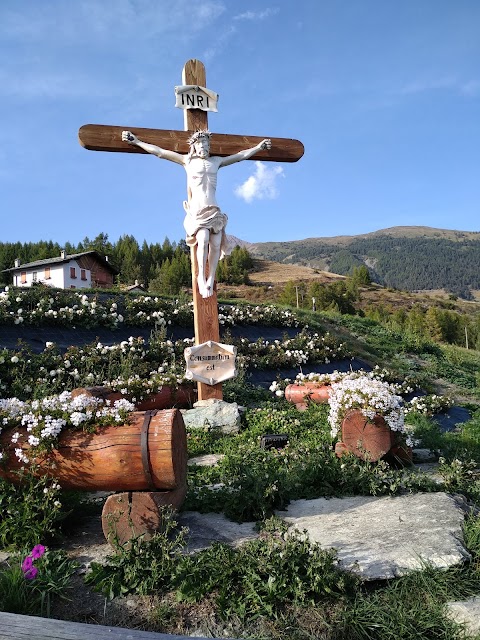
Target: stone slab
{"x":213,"y":414}
{"x":466,"y":612}
{"x":206,"y":528}
{"x":385,"y":537}
{"x":206,"y":460}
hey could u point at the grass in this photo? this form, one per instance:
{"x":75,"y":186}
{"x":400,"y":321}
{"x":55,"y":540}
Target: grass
{"x":278,"y":587}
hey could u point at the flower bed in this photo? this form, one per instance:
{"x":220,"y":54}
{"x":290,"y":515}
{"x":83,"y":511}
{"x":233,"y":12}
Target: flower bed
{"x":372,"y":397}
{"x":39,"y":423}
{"x":57,"y":307}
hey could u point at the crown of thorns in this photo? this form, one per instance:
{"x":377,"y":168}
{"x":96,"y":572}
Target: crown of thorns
{"x":199,"y":134}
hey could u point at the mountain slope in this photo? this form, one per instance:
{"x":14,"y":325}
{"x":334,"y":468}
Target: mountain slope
{"x":410,"y":258}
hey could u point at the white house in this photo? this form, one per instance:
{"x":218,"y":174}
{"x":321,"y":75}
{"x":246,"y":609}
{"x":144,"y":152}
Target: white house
{"x":76,"y":271}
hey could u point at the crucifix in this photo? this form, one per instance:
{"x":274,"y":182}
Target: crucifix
{"x":202,"y":154}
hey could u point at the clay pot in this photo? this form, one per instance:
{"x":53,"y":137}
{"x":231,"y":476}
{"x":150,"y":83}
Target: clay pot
{"x":301,"y":394}
{"x":147,"y":453}
{"x":182,"y":397}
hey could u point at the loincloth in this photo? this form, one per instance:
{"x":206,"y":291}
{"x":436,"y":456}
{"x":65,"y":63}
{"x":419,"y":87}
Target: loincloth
{"x":210,"y":218}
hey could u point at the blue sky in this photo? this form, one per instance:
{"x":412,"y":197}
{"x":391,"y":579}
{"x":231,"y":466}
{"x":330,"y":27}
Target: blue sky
{"x":384,"y":94}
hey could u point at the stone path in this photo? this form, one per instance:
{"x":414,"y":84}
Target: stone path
{"x":385,"y":537}
{"x":378,"y":538}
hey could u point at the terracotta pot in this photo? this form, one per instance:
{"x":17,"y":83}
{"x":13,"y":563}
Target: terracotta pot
{"x":365,"y":438}
{"x":301,"y":394}
{"x":148,"y":453}
{"x":182,"y":397}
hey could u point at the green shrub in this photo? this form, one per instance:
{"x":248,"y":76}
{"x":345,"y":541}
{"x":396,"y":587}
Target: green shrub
{"x":32,"y":594}
{"x":30,"y":511}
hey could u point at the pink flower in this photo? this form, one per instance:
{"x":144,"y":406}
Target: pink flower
{"x":27,"y":564}
{"x":31,"y":574}
{"x":37,"y":551}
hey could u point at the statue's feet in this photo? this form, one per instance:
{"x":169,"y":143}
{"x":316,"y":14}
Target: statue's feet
{"x":208,"y":291}
{"x":209,"y":284}
{"x":205,"y":288}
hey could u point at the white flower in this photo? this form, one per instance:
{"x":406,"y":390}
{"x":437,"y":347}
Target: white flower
{"x":14,"y":359}
{"x":21,"y":456}
{"x":368,"y":395}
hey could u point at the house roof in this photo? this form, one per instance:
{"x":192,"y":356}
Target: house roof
{"x":67,"y":258}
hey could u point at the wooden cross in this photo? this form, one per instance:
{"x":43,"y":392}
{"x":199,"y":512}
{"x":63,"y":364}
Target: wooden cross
{"x":109,"y":138}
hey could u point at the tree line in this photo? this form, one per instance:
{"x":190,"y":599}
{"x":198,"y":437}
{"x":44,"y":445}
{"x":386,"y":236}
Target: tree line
{"x":400,"y":262}
{"x":160,"y":267}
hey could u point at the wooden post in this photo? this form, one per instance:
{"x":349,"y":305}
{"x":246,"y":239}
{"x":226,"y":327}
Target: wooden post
{"x":205,"y":310}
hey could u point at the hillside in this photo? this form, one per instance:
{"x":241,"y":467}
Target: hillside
{"x":410,"y":258}
{"x":268,"y":280}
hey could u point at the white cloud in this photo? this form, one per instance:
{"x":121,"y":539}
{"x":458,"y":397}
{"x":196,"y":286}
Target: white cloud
{"x":40,"y":40}
{"x":262,"y":185}
{"x":428,"y":85}
{"x":256,"y":15}
{"x":87,"y":21}
{"x":468,"y":88}
{"x":471,"y":88}
{"x":221,"y":41}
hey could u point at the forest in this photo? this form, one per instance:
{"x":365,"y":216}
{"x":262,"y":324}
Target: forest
{"x":408,"y":263}
{"x":162,"y":267}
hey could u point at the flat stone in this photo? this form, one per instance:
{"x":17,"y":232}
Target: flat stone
{"x":430,"y":469}
{"x":424,"y":455}
{"x":214,"y":414}
{"x":385,"y":537}
{"x":466,"y":612}
{"x":206,"y":528}
{"x":207,"y":460}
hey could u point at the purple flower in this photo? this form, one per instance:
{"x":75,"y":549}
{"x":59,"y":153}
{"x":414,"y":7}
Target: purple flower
{"x":38,"y":551}
{"x":31,"y":574}
{"x":27,"y":564}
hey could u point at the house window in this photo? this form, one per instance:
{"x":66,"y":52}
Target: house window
{"x":83,"y":274}
{"x":72,"y":286}
{"x":34,"y":276}
{"x":73,"y":272}
{"x":24,"y":277}
{"x":47,"y":273}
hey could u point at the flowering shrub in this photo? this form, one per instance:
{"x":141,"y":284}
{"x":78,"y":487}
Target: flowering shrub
{"x":31,"y":510}
{"x":428,"y":405}
{"x":29,"y":588}
{"x":290,"y":352}
{"x":145,"y":311}
{"x":57,"y":307}
{"x":370,"y":396}
{"x":130,"y":364}
{"x":39,"y":423}
{"x":408,"y":385}
{"x":137,"y":368}
{"x":270,"y":315}
{"x":30,"y":571}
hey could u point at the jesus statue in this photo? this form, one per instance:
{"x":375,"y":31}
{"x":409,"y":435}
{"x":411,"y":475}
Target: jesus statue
{"x":204,"y":221}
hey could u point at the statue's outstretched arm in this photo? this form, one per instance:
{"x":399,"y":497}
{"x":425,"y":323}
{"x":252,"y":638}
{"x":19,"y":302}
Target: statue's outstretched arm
{"x":165,"y":154}
{"x":245,"y":155}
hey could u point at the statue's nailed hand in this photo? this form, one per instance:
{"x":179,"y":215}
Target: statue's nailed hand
{"x":266,"y":144}
{"x":127,"y":136}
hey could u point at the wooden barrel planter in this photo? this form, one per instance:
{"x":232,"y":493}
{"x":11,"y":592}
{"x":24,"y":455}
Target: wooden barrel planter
{"x":147,"y":453}
{"x":370,"y":439}
{"x":181,"y":397}
{"x":301,"y":394}
{"x":145,"y":460}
